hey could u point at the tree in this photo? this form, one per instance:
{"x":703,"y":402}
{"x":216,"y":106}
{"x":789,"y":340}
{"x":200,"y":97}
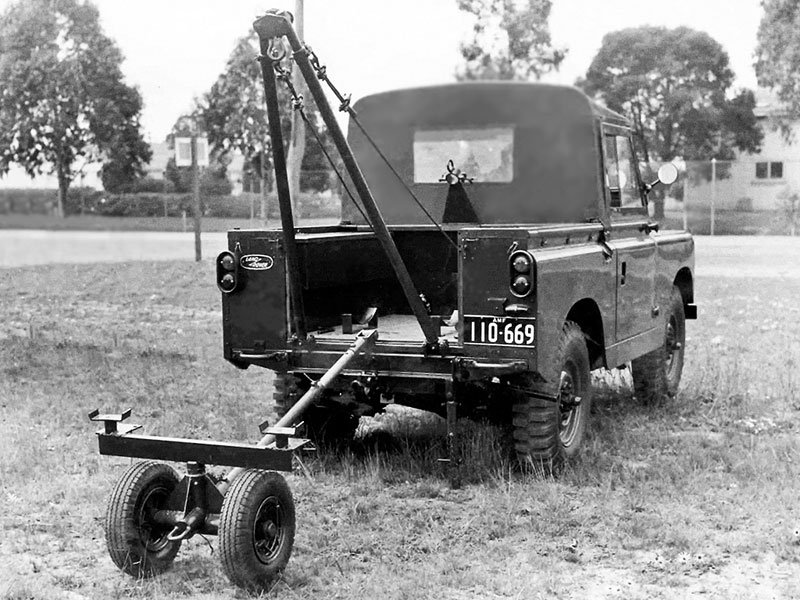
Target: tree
{"x":778,"y":53}
{"x":674,"y":84}
{"x":297,"y":140}
{"x":126,"y":152}
{"x":235,"y":112}
{"x":510,"y":40}
{"x":235,"y":115}
{"x":63,"y":101}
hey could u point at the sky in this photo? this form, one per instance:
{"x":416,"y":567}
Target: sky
{"x":175,"y":49}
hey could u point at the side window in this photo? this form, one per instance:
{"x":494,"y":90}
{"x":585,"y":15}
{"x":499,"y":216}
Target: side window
{"x":621,"y":175}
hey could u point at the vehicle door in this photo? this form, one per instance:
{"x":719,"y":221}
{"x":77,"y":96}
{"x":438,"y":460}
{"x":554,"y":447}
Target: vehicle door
{"x":634,"y":250}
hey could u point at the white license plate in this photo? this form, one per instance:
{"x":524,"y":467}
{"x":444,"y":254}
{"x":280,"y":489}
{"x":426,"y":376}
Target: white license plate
{"x":499,"y":331}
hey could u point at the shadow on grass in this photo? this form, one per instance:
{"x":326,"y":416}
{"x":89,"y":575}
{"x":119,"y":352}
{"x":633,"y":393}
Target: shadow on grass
{"x":405,"y":445}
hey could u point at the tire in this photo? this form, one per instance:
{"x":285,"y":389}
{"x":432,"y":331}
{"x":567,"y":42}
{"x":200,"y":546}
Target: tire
{"x":547,"y":433}
{"x":256,"y":529}
{"x":657,"y":374}
{"x":328,"y":423}
{"x":138,"y":545}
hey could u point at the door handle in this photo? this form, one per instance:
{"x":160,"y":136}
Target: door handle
{"x":623,"y":272}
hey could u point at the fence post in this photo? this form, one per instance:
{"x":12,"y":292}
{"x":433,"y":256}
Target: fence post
{"x":686,"y":199}
{"x":197,"y":209}
{"x":713,"y":190}
{"x":164,"y":194}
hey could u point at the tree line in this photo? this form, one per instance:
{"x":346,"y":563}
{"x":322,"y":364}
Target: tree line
{"x":64,"y":102}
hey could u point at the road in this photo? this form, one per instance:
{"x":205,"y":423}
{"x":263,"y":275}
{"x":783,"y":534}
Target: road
{"x":725,"y":256}
{"x":23,"y":247}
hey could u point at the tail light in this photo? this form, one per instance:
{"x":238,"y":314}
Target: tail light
{"x":520,"y":267}
{"x":227,"y":272}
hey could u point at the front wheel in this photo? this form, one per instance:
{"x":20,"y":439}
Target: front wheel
{"x":657,"y":374}
{"x":256,"y":530}
{"x":136,"y":542}
{"x":547,"y":432}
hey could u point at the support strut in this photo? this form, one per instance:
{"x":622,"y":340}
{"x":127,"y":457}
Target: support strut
{"x":276,"y":25}
{"x":284,"y":196}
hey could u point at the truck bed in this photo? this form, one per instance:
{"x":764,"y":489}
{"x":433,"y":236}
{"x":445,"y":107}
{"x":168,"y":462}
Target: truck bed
{"x":391,"y":328}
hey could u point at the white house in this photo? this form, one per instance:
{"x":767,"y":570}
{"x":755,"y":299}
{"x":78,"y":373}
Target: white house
{"x":760,"y":181}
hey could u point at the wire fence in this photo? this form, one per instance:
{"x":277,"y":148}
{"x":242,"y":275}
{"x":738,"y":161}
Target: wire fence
{"x":747,"y":196}
{"x":741,"y":197}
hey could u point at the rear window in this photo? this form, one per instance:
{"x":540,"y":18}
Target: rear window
{"x":487,"y":155}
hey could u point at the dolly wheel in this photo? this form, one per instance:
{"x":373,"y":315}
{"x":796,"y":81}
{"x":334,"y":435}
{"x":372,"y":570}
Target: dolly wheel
{"x":137,"y":544}
{"x":256,"y":529}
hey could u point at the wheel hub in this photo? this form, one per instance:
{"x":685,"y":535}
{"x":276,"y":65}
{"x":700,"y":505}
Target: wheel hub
{"x":568,"y":406}
{"x":153,"y":535}
{"x":671,"y":342}
{"x":267,"y":531}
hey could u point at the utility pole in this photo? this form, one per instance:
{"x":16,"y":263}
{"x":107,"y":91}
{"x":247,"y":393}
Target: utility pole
{"x":189,"y":142}
{"x":198,"y":254}
{"x":264,"y":175}
{"x":686,"y":198}
{"x":713,"y":191}
{"x":297,"y":142}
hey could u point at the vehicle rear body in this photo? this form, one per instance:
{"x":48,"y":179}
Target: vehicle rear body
{"x":537,"y":153}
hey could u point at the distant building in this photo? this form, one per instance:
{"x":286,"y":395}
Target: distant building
{"x":760,"y":181}
{"x":158,"y":163}
{"x":162,"y":153}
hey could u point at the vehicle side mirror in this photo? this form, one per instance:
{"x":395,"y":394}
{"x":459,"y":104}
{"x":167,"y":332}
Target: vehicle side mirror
{"x":667,"y":174}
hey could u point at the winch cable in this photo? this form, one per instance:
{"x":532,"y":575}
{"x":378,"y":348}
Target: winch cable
{"x":297,"y":104}
{"x":344,"y":106}
{"x":332,"y":164}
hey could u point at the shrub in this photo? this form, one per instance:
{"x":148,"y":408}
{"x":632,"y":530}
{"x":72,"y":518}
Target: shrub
{"x":81,"y":200}
{"x":147,"y":204}
{"x":744,"y":204}
{"x":28,"y":201}
{"x":147,"y":185}
{"x":214,"y":184}
{"x":231,"y":207}
{"x":144,"y":205}
{"x":44,"y":202}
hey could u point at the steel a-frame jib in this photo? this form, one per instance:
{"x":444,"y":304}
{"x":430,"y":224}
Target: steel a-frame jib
{"x":276,"y":25}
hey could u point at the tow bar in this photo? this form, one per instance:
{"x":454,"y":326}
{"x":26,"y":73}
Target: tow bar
{"x":152,"y":510}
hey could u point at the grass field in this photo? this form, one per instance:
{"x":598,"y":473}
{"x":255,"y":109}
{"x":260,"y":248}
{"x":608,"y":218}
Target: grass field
{"x":697,"y":498}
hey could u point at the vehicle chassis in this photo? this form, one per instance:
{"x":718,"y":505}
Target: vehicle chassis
{"x":250,"y":499}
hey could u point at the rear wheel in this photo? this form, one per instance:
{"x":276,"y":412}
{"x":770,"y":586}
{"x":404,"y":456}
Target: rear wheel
{"x":256,"y":529}
{"x":657,"y":374}
{"x":328,"y":422}
{"x":136,"y":542}
{"x":547,"y":433}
